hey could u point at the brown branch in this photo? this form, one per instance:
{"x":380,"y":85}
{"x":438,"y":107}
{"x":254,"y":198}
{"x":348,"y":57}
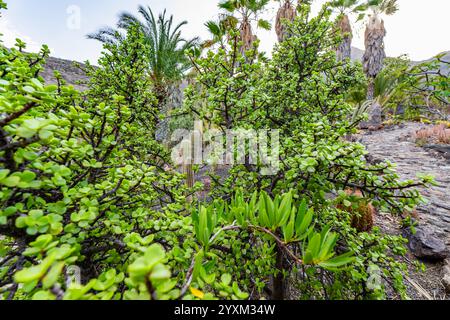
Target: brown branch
{"x":17,"y":114}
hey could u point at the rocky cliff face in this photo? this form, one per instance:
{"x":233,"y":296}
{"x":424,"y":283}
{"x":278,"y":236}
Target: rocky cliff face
{"x":70,"y":72}
{"x":445,"y":67}
{"x":73,"y":74}
{"x":357,"y":54}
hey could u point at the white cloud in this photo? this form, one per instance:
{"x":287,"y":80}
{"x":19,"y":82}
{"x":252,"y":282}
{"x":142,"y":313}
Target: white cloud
{"x":10,"y":34}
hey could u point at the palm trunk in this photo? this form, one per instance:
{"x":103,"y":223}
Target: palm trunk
{"x":371,"y":89}
{"x":344,"y":50}
{"x":161,"y":93}
{"x":374,"y":42}
{"x":375,"y":111}
{"x":188,"y":166}
{"x":162,"y":125}
{"x":373,"y":64}
{"x":247,"y":37}
{"x":286,"y":12}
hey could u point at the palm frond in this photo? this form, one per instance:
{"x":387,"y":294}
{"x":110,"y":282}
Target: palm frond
{"x":165,"y":45}
{"x":228,"y":5}
{"x":256,"y":5}
{"x":214,"y":28}
{"x":264,"y":24}
{"x":389,"y":7}
{"x":126,"y":20}
{"x":106,"y":35}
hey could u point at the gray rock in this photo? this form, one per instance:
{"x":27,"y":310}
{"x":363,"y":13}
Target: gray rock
{"x":446,"y":278}
{"x":400,"y":111}
{"x":375,"y":118}
{"x":425,"y":245}
{"x":446,"y":282}
{"x":443,"y":149}
{"x":71,"y":71}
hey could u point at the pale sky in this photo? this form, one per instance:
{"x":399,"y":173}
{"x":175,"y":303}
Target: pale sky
{"x":420,"y":29}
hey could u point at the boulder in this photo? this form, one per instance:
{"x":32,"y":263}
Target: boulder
{"x":443,"y":149}
{"x":375,"y":118}
{"x":425,"y":245}
{"x":446,"y":276}
{"x":446,"y":282}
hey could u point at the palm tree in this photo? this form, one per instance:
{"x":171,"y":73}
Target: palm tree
{"x":166,"y":47}
{"x":2,"y":6}
{"x":286,"y":12}
{"x":375,"y":54}
{"x":220,"y":30}
{"x":248,"y":11}
{"x":345,"y":8}
{"x":374,"y":40}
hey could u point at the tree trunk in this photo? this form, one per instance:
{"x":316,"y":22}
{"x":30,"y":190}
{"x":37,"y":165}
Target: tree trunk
{"x":373,"y":64}
{"x":286,"y":12}
{"x":247,"y":36}
{"x":374,"y":42}
{"x":162,"y":125}
{"x":278,"y":280}
{"x":371,"y":89}
{"x":375,"y":111}
{"x":344,"y":50}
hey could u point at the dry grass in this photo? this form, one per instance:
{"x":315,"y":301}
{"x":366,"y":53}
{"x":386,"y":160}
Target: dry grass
{"x":363,"y":213}
{"x":436,"y":134}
